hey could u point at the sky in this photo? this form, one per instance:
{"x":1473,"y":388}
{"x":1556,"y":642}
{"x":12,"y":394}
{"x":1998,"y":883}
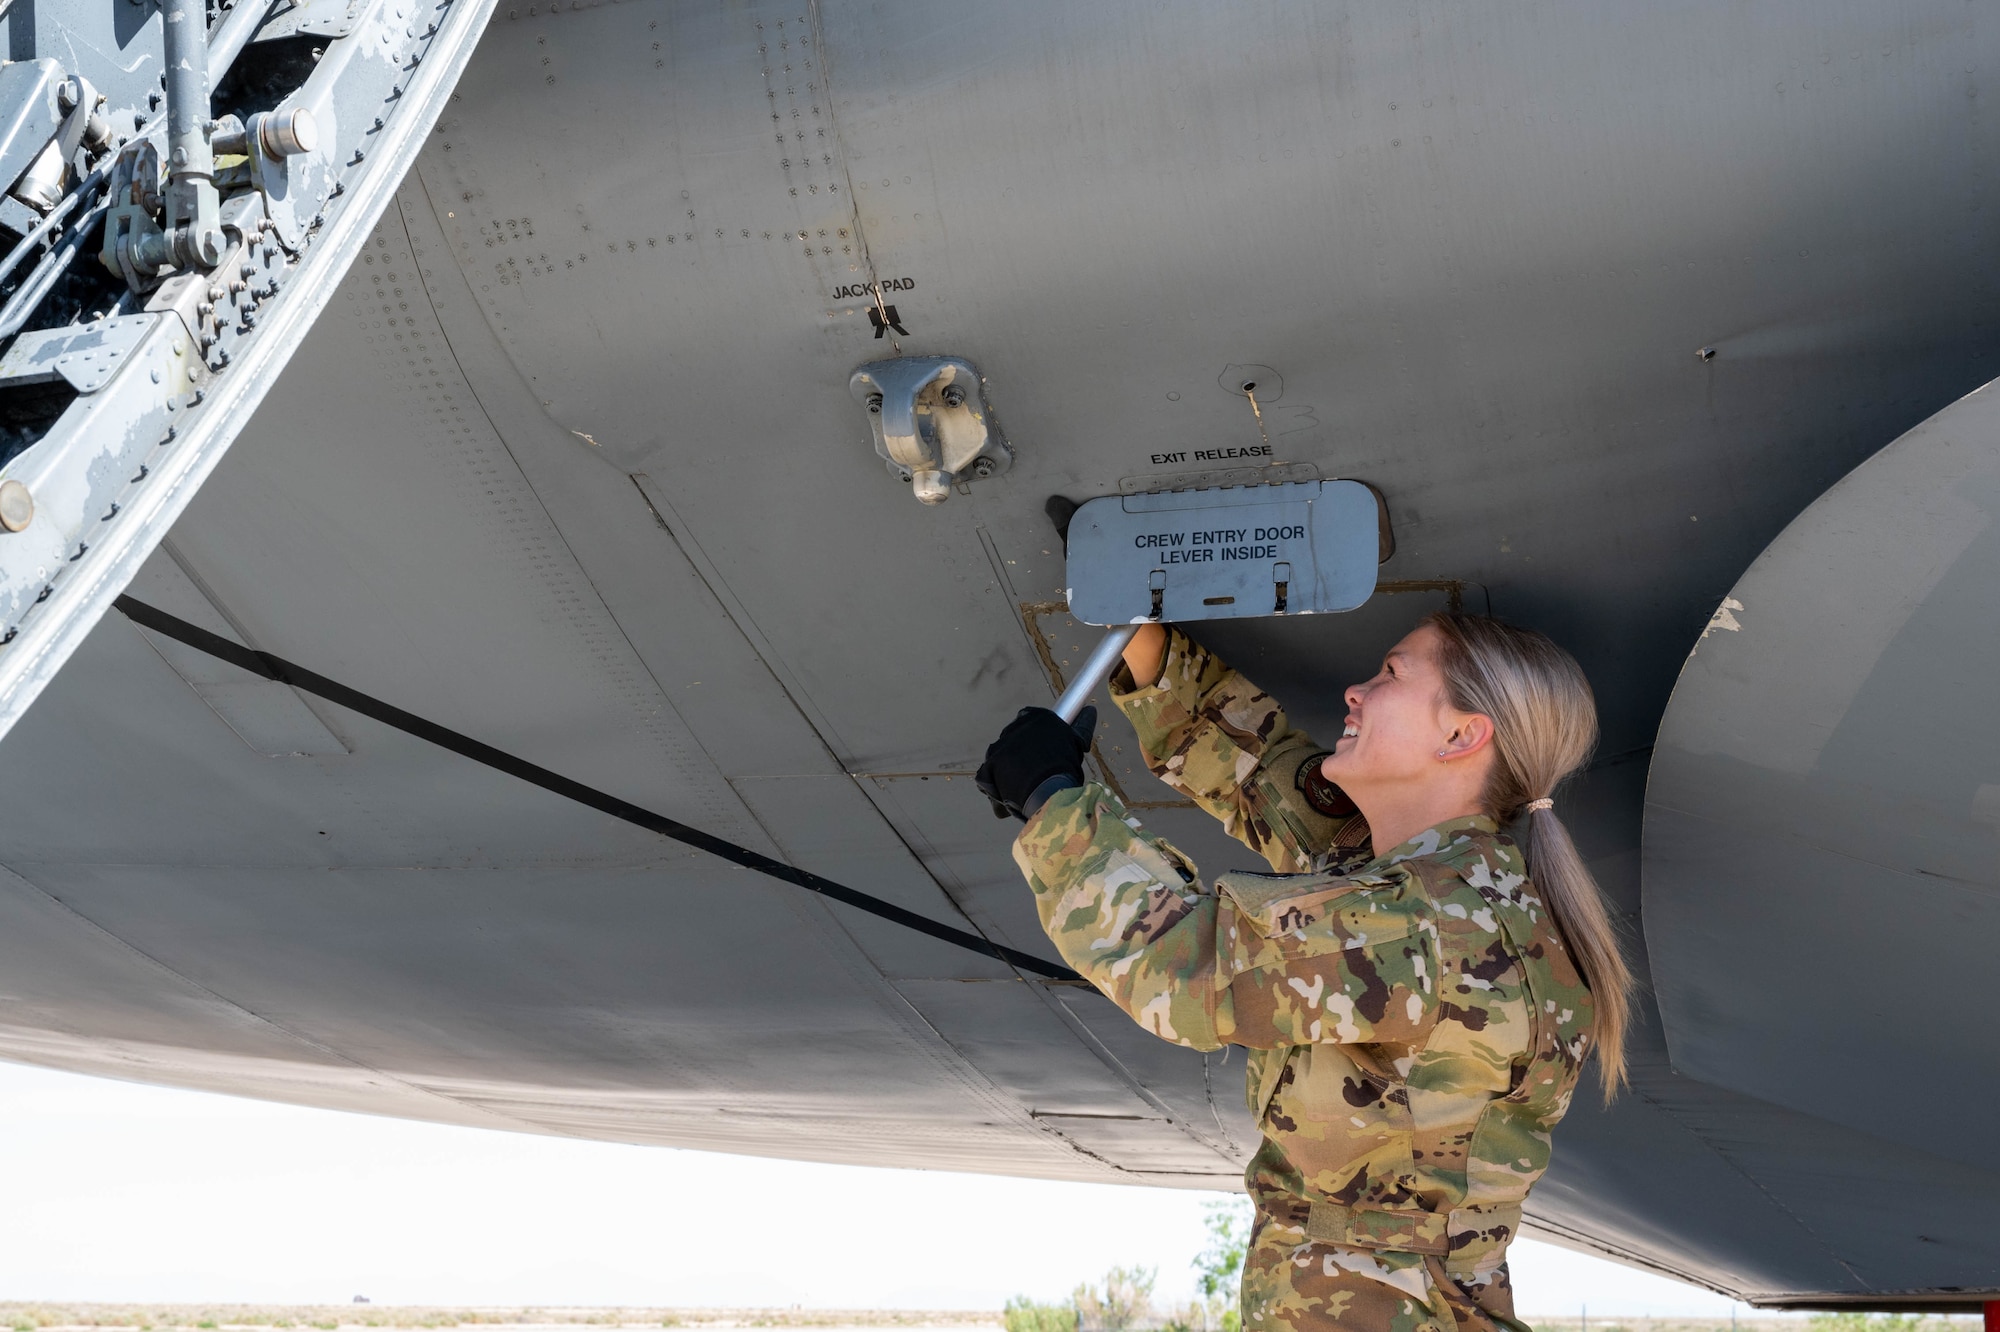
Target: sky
{"x":118,"y":1192}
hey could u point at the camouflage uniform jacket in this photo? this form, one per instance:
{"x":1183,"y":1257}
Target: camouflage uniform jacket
{"x":1414,"y":1024}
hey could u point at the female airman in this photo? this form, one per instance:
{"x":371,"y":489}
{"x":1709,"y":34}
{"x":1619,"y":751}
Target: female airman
{"x":1417,"y":992}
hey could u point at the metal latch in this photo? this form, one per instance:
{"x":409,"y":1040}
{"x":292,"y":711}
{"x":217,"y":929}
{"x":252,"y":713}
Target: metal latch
{"x":931,"y":423}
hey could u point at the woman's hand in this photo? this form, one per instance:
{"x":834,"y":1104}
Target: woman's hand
{"x":1146,"y":654}
{"x":1037,"y":755}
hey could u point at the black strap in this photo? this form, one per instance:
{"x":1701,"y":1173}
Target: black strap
{"x":298,"y":677}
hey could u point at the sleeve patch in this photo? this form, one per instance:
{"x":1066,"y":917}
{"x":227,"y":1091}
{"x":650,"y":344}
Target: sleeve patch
{"x":1325,"y":797}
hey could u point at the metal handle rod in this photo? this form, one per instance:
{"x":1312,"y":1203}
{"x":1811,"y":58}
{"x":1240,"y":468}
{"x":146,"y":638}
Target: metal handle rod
{"x":185,"y":32}
{"x":21,"y":305}
{"x":1103,"y":660}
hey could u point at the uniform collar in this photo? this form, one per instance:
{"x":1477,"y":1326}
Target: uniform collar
{"x":1437,"y":838}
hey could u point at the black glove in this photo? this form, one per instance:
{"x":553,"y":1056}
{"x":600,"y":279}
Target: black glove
{"x":1036,"y":747}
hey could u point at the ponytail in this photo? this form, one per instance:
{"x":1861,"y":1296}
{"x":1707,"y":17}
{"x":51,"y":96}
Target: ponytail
{"x":1577,"y":904}
{"x":1544,"y":726}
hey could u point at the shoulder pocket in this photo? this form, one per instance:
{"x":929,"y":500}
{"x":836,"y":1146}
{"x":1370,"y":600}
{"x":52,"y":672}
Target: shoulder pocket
{"x":1348,"y":911}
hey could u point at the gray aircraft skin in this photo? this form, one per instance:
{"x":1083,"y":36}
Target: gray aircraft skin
{"x":1604,"y":300}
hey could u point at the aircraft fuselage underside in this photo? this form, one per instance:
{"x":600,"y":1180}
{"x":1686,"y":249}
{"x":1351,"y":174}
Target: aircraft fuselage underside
{"x":573,"y":462}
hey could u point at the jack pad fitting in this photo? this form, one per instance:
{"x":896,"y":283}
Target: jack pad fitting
{"x":931,"y":422}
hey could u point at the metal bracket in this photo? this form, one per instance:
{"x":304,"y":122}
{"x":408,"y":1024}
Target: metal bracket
{"x":315,"y":18}
{"x":211,"y":305}
{"x":86,"y":356}
{"x":931,"y":422}
{"x":135,"y":245}
{"x":29,"y":116}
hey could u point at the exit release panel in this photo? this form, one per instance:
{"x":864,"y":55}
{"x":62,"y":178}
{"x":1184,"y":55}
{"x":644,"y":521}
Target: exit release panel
{"x":1298,"y":548}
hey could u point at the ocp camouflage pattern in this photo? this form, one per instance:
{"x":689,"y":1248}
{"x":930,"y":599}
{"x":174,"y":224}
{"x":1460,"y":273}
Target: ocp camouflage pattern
{"x":1414,"y":1024}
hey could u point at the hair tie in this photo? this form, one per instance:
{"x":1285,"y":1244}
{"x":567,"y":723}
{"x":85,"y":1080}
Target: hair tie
{"x":1545,"y":802}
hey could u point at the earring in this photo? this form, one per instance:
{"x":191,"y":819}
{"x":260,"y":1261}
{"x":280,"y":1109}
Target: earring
{"x":1440,"y":753}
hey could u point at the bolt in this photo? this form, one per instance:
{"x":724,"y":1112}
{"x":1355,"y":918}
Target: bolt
{"x":875,"y":404}
{"x":287,"y":133}
{"x":954,"y":396}
{"x":17,"y":506}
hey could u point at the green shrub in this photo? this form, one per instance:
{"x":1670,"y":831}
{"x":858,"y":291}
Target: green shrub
{"x":1866,"y":1322}
{"x":1025,"y":1315}
{"x":1124,"y":1303}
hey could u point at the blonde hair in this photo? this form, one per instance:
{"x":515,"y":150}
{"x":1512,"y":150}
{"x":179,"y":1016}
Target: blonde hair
{"x":1544,"y":727}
